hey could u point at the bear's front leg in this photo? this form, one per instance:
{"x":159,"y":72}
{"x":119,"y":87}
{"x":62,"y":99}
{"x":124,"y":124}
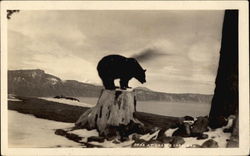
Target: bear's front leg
{"x":123,"y":84}
{"x":126,"y":83}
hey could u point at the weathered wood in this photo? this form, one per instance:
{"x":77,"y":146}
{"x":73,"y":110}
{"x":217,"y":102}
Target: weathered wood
{"x":225,"y":101}
{"x":83,"y":120}
{"x":47,"y":109}
{"x":113,"y":109}
{"x":161,"y":121}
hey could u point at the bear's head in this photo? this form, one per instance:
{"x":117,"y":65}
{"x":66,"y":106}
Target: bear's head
{"x":141,"y":76}
{"x":137,"y":70}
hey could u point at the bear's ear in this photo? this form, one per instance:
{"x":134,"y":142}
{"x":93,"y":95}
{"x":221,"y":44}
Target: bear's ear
{"x":144,"y":70}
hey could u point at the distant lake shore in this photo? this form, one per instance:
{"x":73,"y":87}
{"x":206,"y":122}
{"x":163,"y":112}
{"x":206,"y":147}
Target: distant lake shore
{"x":177,"y":109}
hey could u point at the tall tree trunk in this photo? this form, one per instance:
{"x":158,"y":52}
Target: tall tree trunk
{"x":225,"y":100}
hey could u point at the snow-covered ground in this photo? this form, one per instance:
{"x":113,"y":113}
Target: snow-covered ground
{"x":28,"y":131}
{"x":217,"y":135}
{"x":66,"y":101}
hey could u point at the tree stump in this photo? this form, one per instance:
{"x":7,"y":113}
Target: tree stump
{"x":112,"y":113}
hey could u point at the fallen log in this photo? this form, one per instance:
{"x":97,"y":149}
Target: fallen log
{"x":68,"y":113}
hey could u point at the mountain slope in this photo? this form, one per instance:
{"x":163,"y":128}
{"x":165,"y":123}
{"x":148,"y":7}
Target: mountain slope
{"x":38,"y":83}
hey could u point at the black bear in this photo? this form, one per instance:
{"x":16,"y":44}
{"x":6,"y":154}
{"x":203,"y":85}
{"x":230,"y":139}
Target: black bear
{"x":113,"y":67}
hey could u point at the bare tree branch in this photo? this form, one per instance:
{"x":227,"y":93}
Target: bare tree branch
{"x":10,"y":12}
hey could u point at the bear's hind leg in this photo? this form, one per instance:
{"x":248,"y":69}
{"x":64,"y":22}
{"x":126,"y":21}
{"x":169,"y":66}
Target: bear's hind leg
{"x":109,"y":84}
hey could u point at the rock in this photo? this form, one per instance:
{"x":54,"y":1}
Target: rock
{"x":122,"y":139}
{"x":200,"y":125}
{"x":166,"y":139}
{"x":228,"y":130}
{"x":136,"y":128}
{"x":74,"y":137}
{"x":188,"y":118}
{"x":96,"y":138}
{"x":68,"y":135}
{"x":202,"y":136}
{"x":153,"y":130}
{"x":210,"y":144}
{"x":60,"y":132}
{"x":109,"y":138}
{"x":163,"y":138}
{"x":161,"y":133}
{"x":183,"y":131}
{"x":140,"y":141}
{"x":124,"y":131}
{"x":136,"y":136}
{"x":232,"y":144}
{"x":177,"y":142}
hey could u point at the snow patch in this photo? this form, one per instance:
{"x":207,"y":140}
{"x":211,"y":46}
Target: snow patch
{"x":33,"y":74}
{"x":148,"y":136}
{"x":53,"y":80}
{"x":67,"y":101}
{"x":170,"y":131}
{"x":14,"y":100}
{"x":28,"y":131}
{"x":12,"y":97}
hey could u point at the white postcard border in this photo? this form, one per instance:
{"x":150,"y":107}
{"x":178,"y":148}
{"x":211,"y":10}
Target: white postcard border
{"x":133,"y":5}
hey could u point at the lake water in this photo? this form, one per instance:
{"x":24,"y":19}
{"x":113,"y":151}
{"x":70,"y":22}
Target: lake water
{"x":177,"y":109}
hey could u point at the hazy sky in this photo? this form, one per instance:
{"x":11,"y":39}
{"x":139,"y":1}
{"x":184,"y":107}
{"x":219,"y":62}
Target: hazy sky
{"x":69,"y":44}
